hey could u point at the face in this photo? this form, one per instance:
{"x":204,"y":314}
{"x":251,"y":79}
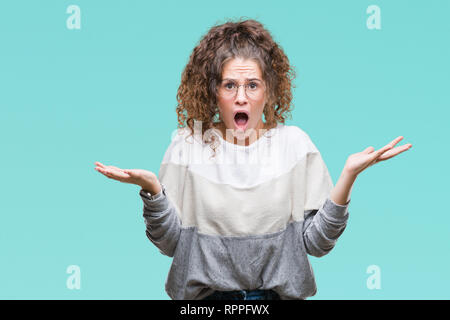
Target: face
{"x":240,"y":71}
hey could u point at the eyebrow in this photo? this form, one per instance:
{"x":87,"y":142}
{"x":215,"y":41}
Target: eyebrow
{"x":248,"y":79}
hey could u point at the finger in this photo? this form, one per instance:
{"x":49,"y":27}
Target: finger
{"x":395,"y":141}
{"x":387,"y":147}
{"x":100,"y":164}
{"x":392,"y":153}
{"x":106,"y":171}
{"x":114,"y":174}
{"x":110,"y":167}
{"x":116,"y":168}
{"x":117,"y":171}
{"x":382,"y":150}
{"x":101,"y":170}
{"x":368,"y":150}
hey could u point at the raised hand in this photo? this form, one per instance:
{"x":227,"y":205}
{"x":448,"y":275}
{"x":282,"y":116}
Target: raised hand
{"x":143,"y":178}
{"x":358,"y":162}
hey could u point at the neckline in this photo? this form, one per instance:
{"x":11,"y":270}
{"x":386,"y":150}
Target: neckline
{"x":250,"y":146}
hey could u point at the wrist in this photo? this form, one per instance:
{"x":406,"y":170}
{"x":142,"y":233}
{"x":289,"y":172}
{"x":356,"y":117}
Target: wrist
{"x":348,"y":175}
{"x":152,"y":189}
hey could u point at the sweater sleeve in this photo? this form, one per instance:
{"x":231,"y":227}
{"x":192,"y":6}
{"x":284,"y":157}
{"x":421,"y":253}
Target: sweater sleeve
{"x":324,"y":220}
{"x":162,"y":211}
{"x":322,"y":227}
{"x":163,"y":225}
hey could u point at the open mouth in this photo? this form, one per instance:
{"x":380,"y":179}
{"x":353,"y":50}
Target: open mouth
{"x":241,"y":120}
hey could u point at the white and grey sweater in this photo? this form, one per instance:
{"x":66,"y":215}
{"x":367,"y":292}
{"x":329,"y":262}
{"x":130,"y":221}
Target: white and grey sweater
{"x":245,"y":219}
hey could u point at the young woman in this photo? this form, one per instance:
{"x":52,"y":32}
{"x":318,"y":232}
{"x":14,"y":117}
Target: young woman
{"x":239,"y":202}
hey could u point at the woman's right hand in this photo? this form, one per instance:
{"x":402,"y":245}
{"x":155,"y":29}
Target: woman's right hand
{"x":147,"y":180}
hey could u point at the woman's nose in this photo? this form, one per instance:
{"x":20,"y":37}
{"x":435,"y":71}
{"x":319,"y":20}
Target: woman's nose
{"x":241,"y":95}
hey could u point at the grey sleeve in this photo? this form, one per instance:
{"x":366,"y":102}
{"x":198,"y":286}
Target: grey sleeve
{"x":322,"y":228}
{"x":163,"y":225}
{"x":155,"y":196}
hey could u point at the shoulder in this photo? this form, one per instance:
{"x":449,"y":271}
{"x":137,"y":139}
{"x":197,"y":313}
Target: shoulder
{"x":177,"y":150}
{"x":296,"y":136}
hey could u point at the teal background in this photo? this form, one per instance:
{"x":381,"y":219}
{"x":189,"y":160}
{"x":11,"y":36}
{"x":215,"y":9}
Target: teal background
{"x":107,"y":93}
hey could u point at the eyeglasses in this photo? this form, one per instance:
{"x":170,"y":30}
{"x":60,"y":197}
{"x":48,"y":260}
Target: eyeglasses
{"x":254,"y":89}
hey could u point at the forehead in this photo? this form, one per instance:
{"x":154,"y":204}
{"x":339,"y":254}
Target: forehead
{"x":238,"y":68}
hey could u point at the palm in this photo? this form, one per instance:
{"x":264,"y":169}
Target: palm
{"x":134,"y":176}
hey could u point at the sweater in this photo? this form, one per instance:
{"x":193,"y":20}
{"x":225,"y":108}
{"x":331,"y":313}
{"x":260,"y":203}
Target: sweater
{"x":245,"y":218}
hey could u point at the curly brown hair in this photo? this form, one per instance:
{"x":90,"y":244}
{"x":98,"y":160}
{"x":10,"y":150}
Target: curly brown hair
{"x":247,"y":39}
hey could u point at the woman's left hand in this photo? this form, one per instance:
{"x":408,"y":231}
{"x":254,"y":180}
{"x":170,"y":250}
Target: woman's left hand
{"x":358,"y":162}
